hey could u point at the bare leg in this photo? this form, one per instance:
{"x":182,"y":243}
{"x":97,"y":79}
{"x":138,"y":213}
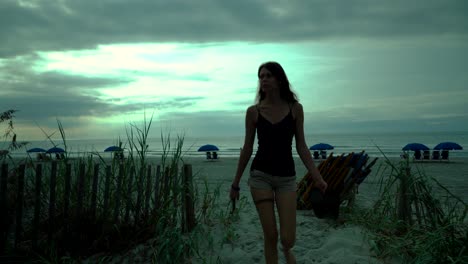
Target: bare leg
{"x":286,"y":203}
{"x":264,"y":201}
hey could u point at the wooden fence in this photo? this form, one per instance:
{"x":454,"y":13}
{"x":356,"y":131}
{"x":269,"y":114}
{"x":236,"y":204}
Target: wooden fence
{"x":51,"y":200}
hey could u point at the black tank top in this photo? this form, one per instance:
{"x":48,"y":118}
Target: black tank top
{"x":274,"y":152}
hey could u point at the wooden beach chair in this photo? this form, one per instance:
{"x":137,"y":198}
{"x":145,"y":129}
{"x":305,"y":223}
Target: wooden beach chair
{"x":343,"y":175}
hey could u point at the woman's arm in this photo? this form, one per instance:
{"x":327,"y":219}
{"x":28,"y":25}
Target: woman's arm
{"x":246,"y":153}
{"x":303,"y":150}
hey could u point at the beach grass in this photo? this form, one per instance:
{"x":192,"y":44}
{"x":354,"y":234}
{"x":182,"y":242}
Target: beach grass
{"x":415,"y":219}
{"x":161,"y":237}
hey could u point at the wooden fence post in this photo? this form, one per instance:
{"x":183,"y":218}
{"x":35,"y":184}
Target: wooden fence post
{"x":165,"y":188}
{"x":156,"y":187}
{"x":53,"y":184}
{"x":105,"y":208}
{"x":189,"y":213}
{"x":19,"y":206}
{"x":404,"y":206}
{"x":175,"y":188}
{"x":80,"y":190}
{"x":94,"y":190}
{"x":37,"y":206}
{"x":140,"y":180}
{"x":118,"y":193}
{"x":67,"y":194}
{"x":129,"y":194}
{"x":148,"y":191}
{"x":3,"y":207}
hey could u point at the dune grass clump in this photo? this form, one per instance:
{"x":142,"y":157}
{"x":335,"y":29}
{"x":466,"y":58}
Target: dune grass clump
{"x":415,"y":218}
{"x":9,"y":136}
{"x":136,"y":207}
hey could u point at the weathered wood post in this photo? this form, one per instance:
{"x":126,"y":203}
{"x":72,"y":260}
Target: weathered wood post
{"x":148,"y":191}
{"x":189,"y":211}
{"x":139,"y":181}
{"x":118,"y":193}
{"x":94,"y":191}
{"x":156,"y":187}
{"x":37,"y":206}
{"x":67,"y":194}
{"x":19,"y":206}
{"x":3,"y":207}
{"x":129,"y":194}
{"x":80,"y":190}
{"x":105,"y":208}
{"x":52,"y":199}
{"x":404,"y":204}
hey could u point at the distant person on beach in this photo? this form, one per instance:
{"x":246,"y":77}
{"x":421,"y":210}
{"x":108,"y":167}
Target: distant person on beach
{"x":276,"y":118}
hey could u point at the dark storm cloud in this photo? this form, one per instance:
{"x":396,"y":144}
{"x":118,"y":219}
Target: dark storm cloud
{"x":49,"y":95}
{"x":64,"y":25}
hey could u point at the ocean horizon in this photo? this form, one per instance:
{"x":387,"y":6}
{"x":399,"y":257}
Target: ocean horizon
{"x":374,"y":144}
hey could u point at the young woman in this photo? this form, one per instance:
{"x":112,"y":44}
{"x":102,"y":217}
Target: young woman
{"x":276,"y":118}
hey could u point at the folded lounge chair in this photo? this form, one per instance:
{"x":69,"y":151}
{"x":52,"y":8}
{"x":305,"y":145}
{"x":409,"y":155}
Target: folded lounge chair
{"x":444,"y":155}
{"x":426,"y":155}
{"x":316,"y":155}
{"x":417,"y":155}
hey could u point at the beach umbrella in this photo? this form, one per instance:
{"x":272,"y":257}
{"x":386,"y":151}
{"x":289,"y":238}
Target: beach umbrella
{"x":55,"y":150}
{"x":415,"y":146}
{"x":321,"y":146}
{"x":448,"y":146}
{"x":36,"y":150}
{"x":113,"y":148}
{"x":208,"y":147}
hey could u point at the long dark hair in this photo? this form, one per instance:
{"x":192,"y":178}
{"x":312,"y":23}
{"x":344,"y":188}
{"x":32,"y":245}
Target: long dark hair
{"x":285,"y":87}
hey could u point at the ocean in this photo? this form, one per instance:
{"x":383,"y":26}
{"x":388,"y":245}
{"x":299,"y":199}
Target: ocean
{"x":375,"y":144}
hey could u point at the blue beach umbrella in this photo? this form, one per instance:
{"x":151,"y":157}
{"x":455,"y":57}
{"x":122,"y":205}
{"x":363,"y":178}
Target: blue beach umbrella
{"x":415,"y":146}
{"x":113,"y":148}
{"x":36,"y":150}
{"x":448,"y":146}
{"x":208,"y":147}
{"x":55,"y":150}
{"x":321,"y":146}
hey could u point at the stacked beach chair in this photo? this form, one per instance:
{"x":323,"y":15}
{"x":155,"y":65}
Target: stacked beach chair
{"x":343,"y":174}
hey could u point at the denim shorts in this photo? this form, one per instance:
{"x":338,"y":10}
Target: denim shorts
{"x":265,"y":181}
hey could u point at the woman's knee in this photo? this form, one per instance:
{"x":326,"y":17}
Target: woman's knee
{"x":288,"y":242}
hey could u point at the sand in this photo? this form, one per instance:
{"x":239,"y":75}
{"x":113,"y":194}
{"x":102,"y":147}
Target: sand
{"x":318,"y":240}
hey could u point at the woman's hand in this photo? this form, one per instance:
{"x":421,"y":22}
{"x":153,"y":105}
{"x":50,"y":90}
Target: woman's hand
{"x":234,"y":193}
{"x":320,"y":183}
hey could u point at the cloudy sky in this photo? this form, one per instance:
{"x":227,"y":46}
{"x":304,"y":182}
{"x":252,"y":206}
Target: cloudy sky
{"x":356,"y":65}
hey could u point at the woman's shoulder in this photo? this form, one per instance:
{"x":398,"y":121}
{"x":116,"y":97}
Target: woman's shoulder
{"x":252,"y":110}
{"x":252,"y":113}
{"x":296,"y":106}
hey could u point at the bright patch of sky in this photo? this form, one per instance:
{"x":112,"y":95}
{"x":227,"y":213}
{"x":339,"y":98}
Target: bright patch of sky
{"x":218,"y":73}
